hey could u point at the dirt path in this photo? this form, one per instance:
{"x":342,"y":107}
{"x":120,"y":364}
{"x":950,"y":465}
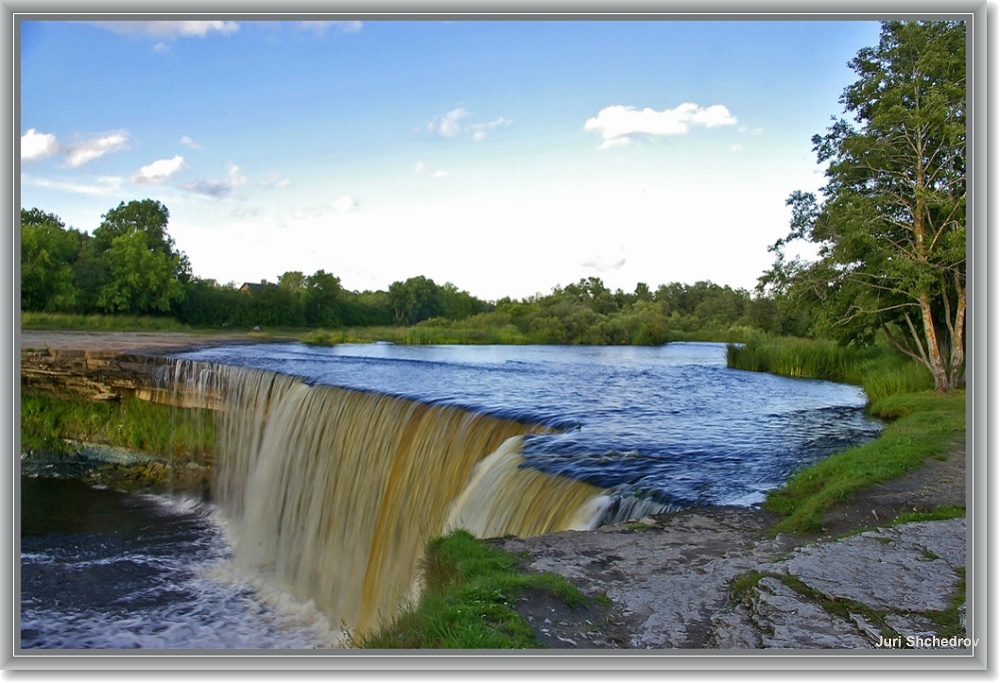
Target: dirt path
{"x":129,"y":342}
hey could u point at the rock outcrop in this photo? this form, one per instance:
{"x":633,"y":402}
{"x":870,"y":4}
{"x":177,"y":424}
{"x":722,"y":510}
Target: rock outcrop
{"x":708,"y":579}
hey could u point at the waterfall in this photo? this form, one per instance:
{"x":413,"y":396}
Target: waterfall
{"x":333,"y":493}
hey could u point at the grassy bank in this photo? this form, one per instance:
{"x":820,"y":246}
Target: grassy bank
{"x":878,"y":369}
{"x":921,"y":423}
{"x":467,"y":602}
{"x":99,"y":323}
{"x":51,"y":425}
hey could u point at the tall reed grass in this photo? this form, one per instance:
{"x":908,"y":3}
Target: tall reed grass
{"x":878,"y":369}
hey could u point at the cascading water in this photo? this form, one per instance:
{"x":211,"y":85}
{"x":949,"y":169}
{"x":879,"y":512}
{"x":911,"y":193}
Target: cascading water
{"x":332,"y":493}
{"x":323,"y":497}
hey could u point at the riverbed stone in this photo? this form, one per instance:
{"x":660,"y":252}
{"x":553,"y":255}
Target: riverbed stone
{"x":787,"y":619}
{"x":671,"y":581}
{"x":908,"y":568}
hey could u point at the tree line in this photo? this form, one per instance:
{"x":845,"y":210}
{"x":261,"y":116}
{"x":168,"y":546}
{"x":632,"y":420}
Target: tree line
{"x":130,"y":265}
{"x":889,"y":226}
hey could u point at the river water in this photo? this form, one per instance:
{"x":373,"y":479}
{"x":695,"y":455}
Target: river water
{"x":108,"y":570}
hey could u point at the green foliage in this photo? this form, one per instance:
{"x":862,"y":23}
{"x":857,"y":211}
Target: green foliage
{"x":138,"y":279}
{"x":890,"y":230}
{"x":48,"y":252}
{"x":138,"y":270}
{"x":878,"y":369}
{"x":48,"y":424}
{"x":71,"y":321}
{"x":130,"y":267}
{"x":467,"y":600}
{"x":937,"y":514}
{"x":322,"y":299}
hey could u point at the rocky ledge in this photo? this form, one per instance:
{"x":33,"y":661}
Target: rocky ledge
{"x":711,"y":579}
{"x":707,"y":578}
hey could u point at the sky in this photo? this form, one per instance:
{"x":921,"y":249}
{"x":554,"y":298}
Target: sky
{"x":504,"y":157}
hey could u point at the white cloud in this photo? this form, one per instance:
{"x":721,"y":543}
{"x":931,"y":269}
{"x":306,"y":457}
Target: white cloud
{"x":618,"y":124}
{"x":187,"y":141}
{"x":480,"y":130}
{"x":219,"y":188}
{"x":105,"y":185}
{"x":345,"y":204}
{"x":448,"y":124}
{"x":158,"y":171}
{"x":603,"y":263}
{"x":84,"y":152}
{"x":170,"y":29}
{"x":322,"y":27}
{"x":274,"y":181}
{"x":35,"y":145}
{"x":423,"y":168}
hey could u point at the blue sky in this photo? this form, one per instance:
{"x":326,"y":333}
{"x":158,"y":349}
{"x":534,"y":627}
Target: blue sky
{"x":504,"y":157}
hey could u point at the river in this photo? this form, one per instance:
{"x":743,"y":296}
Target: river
{"x":669,"y":425}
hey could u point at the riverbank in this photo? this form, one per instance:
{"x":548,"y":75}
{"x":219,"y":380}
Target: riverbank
{"x":717,"y":578}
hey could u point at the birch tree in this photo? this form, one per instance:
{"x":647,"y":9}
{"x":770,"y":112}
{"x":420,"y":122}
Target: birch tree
{"x":890,"y":224}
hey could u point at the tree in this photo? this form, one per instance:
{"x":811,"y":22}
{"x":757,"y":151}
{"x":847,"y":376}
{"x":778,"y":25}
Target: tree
{"x":138,"y":279}
{"x":138,"y":269}
{"x":890,"y":228}
{"x":416,"y":299}
{"x":323,"y":295}
{"x":48,"y":252}
{"x":148,"y":216}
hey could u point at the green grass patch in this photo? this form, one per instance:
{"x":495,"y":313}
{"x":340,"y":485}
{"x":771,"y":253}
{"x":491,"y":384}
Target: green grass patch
{"x":117,"y":323}
{"x":470,"y":589}
{"x":416,"y":335}
{"x":923,"y":425}
{"x":49,"y":423}
{"x":937,"y":514}
{"x":878,"y":369}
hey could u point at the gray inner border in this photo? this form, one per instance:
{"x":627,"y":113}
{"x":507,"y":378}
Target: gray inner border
{"x":982,"y":18}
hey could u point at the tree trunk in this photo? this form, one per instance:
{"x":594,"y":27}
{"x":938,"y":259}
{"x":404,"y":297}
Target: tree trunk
{"x":934,"y":361}
{"x":955,"y":376}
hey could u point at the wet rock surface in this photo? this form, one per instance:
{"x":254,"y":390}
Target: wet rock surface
{"x":673,"y":582}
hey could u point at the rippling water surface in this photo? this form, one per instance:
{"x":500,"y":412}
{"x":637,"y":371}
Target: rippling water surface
{"x":102,"y":569}
{"x":671,"y":422}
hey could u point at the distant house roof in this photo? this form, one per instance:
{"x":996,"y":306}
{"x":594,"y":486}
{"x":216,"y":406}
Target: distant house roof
{"x":255,"y":287}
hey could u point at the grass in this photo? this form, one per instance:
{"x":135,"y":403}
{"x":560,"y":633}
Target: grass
{"x":116,"y":323}
{"x":415,"y":335}
{"x":878,"y":369}
{"x":48,"y":424}
{"x":923,"y":425}
{"x":469,"y":591}
{"x":936,"y":515}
